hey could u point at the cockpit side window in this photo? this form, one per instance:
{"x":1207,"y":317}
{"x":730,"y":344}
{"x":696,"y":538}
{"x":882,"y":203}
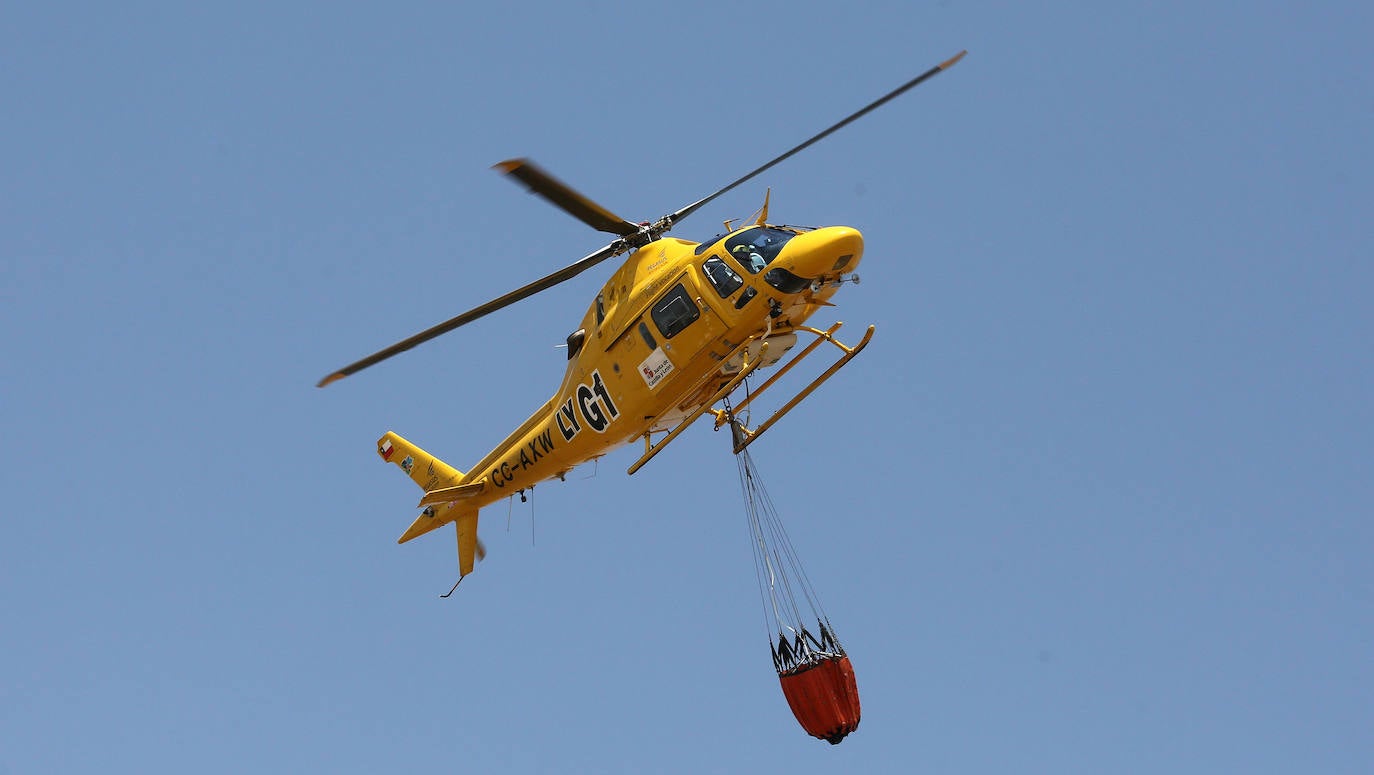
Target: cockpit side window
{"x":674,"y":312}
{"x":724,"y":279}
{"x":756,"y":248}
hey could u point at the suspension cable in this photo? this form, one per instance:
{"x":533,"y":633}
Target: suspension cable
{"x":783,"y":582}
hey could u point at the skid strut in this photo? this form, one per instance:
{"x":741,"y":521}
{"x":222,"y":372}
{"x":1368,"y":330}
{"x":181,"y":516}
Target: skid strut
{"x":651,"y":449}
{"x":744,"y":436}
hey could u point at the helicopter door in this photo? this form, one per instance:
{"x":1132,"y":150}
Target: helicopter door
{"x":674,"y":312}
{"x":684,"y":327}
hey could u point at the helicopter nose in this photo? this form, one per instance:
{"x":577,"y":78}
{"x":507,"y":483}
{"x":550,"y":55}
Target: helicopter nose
{"x":825,"y":252}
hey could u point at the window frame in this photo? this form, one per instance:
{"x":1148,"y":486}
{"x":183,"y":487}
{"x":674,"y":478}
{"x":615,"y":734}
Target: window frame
{"x":660,"y":310}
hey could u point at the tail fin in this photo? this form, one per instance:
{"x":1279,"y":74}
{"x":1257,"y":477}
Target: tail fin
{"x":435,"y":476}
{"x":426,"y":470}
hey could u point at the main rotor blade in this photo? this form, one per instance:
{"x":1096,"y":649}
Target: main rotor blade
{"x":564,"y":197}
{"x":568,"y":272}
{"x":936,"y":70}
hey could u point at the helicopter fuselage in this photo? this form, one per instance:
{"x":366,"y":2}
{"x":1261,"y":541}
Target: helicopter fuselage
{"x":656,"y":342}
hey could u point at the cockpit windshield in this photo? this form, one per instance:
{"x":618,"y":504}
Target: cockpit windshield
{"x":756,"y":248}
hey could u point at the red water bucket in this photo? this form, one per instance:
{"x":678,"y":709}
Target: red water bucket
{"x":823,"y":697}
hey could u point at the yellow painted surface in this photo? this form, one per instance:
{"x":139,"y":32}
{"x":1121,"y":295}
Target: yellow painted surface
{"x":622,"y":384}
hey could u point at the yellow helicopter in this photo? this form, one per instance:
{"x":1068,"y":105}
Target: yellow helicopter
{"x":675,"y":331}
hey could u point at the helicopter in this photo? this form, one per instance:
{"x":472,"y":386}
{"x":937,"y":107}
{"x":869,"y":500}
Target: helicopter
{"x":674,"y":332}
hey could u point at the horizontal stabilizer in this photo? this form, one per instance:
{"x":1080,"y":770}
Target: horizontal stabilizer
{"x":451,"y":494}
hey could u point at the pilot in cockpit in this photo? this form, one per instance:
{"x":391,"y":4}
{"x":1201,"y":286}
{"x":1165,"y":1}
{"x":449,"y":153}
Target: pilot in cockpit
{"x":749,"y":258}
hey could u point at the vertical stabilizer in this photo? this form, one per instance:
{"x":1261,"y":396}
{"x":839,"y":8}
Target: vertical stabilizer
{"x":426,"y":470}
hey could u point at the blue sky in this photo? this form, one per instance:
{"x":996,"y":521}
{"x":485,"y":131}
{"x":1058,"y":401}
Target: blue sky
{"x":1096,"y":499}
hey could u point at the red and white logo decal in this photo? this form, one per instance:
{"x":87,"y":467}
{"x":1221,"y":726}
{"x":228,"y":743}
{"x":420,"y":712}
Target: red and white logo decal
{"x":655,"y":367}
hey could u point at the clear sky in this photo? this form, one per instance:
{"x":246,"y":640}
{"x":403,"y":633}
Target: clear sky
{"x":1097,"y":499}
